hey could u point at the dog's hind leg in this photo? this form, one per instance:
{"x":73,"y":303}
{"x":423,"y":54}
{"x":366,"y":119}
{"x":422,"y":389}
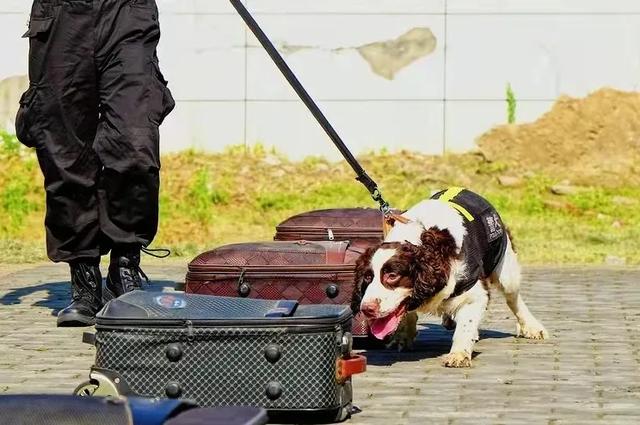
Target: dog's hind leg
{"x":508,"y":277}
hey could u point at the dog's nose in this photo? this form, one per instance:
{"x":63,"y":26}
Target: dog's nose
{"x":371,"y":308}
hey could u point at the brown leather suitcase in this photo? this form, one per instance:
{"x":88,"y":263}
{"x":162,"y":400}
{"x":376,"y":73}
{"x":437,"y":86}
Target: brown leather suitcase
{"x":360,"y":226}
{"x":311,"y":272}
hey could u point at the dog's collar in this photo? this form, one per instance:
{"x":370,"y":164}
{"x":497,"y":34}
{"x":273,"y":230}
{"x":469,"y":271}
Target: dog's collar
{"x":390,"y":220}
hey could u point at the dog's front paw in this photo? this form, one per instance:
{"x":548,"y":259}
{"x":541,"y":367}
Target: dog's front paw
{"x":406,"y":333}
{"x":460,"y":359}
{"x":532,"y":332}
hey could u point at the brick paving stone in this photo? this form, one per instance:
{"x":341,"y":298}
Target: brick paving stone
{"x":587,"y":373}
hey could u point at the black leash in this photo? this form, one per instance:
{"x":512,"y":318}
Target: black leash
{"x":363,"y":177}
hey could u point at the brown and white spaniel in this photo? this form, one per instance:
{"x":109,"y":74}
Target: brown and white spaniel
{"x":443,"y":261}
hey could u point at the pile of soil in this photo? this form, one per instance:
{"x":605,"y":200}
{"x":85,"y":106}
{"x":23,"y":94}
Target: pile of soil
{"x":592,"y":141}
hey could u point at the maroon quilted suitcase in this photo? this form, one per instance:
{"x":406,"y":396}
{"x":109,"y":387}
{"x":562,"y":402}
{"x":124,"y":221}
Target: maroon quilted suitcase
{"x":361,"y":226}
{"x":311,"y":272}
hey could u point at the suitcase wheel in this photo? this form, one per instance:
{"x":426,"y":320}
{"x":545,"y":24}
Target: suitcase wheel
{"x":98,"y":385}
{"x":86,"y":389}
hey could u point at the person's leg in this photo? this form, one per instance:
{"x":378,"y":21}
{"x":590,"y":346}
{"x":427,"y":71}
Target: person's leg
{"x":135,"y":100}
{"x":58,"y":116}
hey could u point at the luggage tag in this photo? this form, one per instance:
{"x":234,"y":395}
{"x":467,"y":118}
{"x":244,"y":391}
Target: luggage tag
{"x":284,"y":308}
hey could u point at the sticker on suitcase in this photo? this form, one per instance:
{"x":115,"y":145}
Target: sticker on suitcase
{"x":170,"y":301}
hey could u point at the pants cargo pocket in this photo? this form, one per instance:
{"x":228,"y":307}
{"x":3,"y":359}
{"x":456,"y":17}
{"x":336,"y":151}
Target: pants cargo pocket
{"x":162,"y":102}
{"x":38,"y":35}
{"x":38,"y":27}
{"x":25,"y":119}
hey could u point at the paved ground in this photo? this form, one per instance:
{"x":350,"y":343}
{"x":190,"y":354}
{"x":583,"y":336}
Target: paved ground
{"x":588,"y":372}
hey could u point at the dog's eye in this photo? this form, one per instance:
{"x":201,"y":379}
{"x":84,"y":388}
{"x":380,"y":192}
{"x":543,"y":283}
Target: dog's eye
{"x":390,"y":280}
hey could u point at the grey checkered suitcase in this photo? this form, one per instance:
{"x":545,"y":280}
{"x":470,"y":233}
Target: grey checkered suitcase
{"x":223,"y":351}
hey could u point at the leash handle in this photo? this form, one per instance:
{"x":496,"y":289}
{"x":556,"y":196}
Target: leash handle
{"x":286,"y":71}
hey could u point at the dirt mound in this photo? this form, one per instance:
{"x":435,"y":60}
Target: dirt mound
{"x":594,"y":140}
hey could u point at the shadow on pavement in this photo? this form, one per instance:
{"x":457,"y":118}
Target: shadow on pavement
{"x":58,"y":294}
{"x":433,"y":341}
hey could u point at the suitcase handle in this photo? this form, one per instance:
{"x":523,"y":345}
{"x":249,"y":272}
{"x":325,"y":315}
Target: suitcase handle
{"x":284,"y":308}
{"x":352,"y":365}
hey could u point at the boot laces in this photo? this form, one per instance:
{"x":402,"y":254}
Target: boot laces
{"x":153,"y":252}
{"x":132,"y":277}
{"x":133,"y":273}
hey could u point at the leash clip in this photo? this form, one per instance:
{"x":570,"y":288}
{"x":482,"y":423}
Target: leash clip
{"x":384,"y":205}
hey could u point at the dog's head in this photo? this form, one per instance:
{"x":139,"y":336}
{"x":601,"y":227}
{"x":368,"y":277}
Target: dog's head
{"x":396,"y":277}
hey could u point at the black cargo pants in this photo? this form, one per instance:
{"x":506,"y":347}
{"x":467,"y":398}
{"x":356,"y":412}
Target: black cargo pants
{"x":95,"y":101}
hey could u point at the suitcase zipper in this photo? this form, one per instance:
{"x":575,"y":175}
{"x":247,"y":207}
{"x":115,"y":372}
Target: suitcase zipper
{"x":294,"y":323}
{"x":356,"y":231}
{"x":221,"y":276}
{"x":321,"y":234}
{"x":311,"y":270}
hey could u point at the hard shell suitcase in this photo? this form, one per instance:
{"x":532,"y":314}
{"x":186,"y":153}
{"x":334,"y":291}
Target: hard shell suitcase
{"x":309,"y":272}
{"x":49,"y":409}
{"x":221,"y":416}
{"x":221,"y":351}
{"x":56,"y":409}
{"x":360,"y":226}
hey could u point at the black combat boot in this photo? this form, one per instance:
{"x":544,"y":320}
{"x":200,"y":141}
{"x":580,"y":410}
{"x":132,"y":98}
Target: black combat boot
{"x":125,"y":274}
{"x":86,"y":292}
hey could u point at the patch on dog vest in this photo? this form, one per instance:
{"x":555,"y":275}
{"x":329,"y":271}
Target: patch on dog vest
{"x":494,"y":227}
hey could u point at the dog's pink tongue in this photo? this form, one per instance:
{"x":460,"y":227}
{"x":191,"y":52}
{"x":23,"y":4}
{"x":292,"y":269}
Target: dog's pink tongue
{"x":380,"y":328}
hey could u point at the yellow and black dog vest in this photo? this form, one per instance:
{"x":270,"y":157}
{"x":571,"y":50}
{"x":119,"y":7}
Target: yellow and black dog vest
{"x":485,"y":241}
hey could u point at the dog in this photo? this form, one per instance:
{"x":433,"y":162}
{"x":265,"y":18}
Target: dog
{"x":442,"y":259}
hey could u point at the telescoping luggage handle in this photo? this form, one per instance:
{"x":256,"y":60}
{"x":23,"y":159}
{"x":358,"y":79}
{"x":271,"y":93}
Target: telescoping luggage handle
{"x":286,"y":71}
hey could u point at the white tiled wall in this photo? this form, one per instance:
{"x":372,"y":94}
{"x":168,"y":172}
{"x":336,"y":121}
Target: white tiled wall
{"x":363,"y":125}
{"x":229,"y":92}
{"x":203,"y":56}
{"x":468,"y":119}
{"x":13,"y":49}
{"x":347,"y":6}
{"x":205,"y":125}
{"x":330,"y":65}
{"x":196,"y":6}
{"x":542,"y":56}
{"x":543,"y":6}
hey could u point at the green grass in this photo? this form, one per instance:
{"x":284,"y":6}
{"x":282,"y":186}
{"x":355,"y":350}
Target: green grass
{"x":18,"y":193}
{"x":241,"y":194}
{"x":512,"y":104}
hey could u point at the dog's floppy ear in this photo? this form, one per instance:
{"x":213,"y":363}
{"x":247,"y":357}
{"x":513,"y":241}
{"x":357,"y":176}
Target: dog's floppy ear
{"x":439,"y":241}
{"x":363,"y":264}
{"x":431,"y":264}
